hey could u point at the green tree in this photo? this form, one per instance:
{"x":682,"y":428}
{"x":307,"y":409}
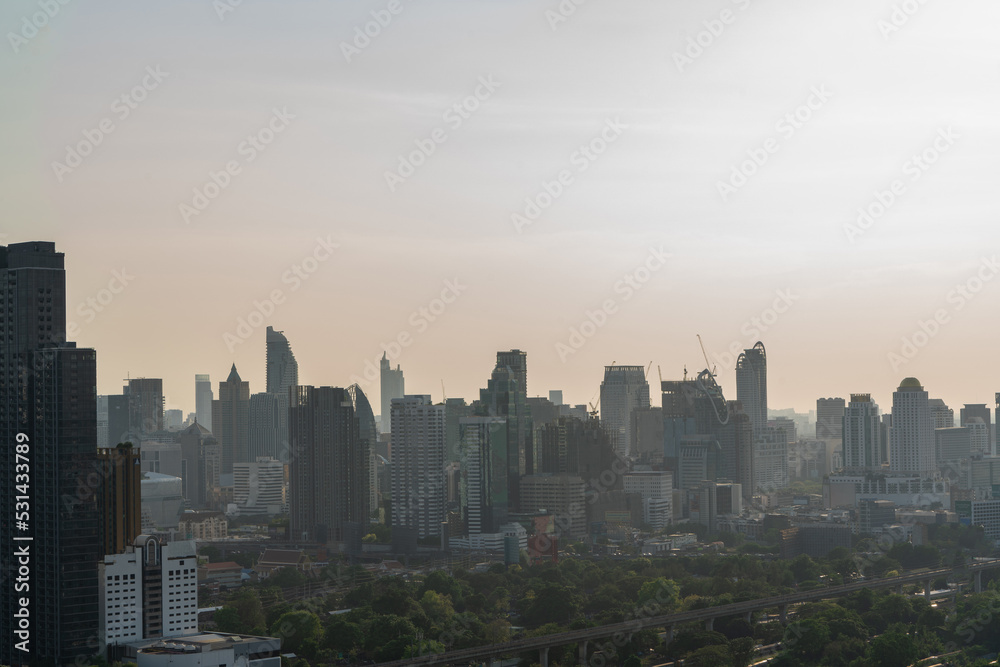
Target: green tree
{"x":661,"y":591}
{"x":893,"y":649}
{"x":300,"y":632}
{"x":741,"y":651}
{"x":438,"y":607}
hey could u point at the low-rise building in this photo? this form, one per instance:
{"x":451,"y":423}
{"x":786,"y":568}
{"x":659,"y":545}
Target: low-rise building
{"x":227,"y":574}
{"x":212,"y":649}
{"x":204,"y":525}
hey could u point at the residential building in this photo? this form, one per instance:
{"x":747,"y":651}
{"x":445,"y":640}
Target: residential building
{"x":418,"y":478}
{"x":751,"y":386}
{"x":328,"y":474}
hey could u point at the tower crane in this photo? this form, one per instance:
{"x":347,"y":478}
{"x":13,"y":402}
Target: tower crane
{"x":707,"y":362}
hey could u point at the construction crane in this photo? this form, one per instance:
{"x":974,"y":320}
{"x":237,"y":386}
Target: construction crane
{"x":647,"y":369}
{"x":707,"y":363}
{"x":660,"y":373}
{"x":444,"y":396}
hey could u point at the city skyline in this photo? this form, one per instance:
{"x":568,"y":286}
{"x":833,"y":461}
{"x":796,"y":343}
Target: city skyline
{"x":777,"y":255}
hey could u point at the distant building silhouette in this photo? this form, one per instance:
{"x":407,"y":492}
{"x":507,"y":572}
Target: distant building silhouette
{"x":231,"y":418}
{"x":751,"y":386}
{"x":203,"y":400}
{"x":145,"y":404}
{"x":391,"y":386}
{"x":282,"y":369}
{"x":623,"y":390}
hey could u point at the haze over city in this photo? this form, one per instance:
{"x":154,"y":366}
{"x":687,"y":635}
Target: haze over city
{"x":887,"y":93}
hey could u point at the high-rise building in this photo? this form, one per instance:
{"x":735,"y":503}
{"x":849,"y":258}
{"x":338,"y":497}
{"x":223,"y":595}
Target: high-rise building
{"x":623,"y":390}
{"x":861,"y":435}
{"x":484,"y":458}
{"x":655,"y":488}
{"x":201,"y":461}
{"x":203,"y":398}
{"x":418,"y":477}
{"x":231,"y":419}
{"x":118,"y":501}
{"x":48,"y":422}
{"x":268,"y":414}
{"x":392,"y":386}
{"x":561,"y":495}
{"x":973,"y":410}
{"x":516,"y":363}
{"x":148,"y":591}
{"x":980,"y":435}
{"x":368,"y":434}
{"x":282,"y":369}
{"x":830,"y":419}
{"x":952,"y":445}
{"x":751,"y":385}
{"x":911,"y":436}
{"x":118,"y":421}
{"x":328,"y":471}
{"x":504,"y":396}
{"x":944,"y":417}
{"x":770,"y":460}
{"x":145,"y":404}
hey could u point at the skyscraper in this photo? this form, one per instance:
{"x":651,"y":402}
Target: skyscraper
{"x":911,"y":436}
{"x":145,"y":405}
{"x":48,"y":422}
{"x":392,"y":386}
{"x":751,"y":386}
{"x":504,"y":396}
{"x":268,"y":414}
{"x":484,"y":458}
{"x":118,"y":500}
{"x":282,"y":369}
{"x":860,"y":435}
{"x":623,"y":390}
{"x":418,"y":479}
{"x":516,"y":362}
{"x":203,"y":400}
{"x":328,"y":471}
{"x":231,"y":418}
{"x":830,"y":419}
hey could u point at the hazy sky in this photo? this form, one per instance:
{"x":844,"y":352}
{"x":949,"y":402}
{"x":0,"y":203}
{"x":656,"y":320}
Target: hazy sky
{"x":834,"y":101}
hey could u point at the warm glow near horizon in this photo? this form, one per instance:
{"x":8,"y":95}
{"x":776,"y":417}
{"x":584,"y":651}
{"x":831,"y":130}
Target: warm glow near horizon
{"x":590,"y":187}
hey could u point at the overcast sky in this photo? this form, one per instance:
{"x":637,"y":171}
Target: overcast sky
{"x":743,"y":159}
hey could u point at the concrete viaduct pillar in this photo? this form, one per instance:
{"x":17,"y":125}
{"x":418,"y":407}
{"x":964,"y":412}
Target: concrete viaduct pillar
{"x":543,"y":656}
{"x":583,"y":652}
